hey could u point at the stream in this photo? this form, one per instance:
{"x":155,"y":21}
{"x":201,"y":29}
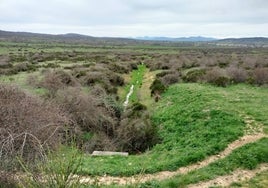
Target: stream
{"x":128,"y":95}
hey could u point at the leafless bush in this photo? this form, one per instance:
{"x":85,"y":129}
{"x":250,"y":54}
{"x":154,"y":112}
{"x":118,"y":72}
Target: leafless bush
{"x":100,"y":141}
{"x":95,"y":112}
{"x":169,"y":79}
{"x":81,"y":107}
{"x":260,"y":76}
{"x":28,"y":125}
{"x":237,"y":75}
{"x":7,"y":180}
{"x":5,"y":62}
{"x":217,"y":77}
{"x":107,"y":79}
{"x":119,"y":67}
{"x":58,"y":79}
{"x":136,"y":133}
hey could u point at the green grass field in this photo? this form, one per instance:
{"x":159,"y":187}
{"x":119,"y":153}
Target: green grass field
{"x":186,"y":116}
{"x":246,"y":157}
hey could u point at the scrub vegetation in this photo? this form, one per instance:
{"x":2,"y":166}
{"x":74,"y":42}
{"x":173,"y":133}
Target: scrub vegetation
{"x":188,"y":103}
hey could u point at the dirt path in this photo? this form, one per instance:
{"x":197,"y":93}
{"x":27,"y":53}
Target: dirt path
{"x":236,"y":176}
{"x":144,"y":91}
{"x":107,"y":180}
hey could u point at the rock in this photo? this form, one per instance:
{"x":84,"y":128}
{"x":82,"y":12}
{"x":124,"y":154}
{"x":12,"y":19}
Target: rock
{"x":108,"y":153}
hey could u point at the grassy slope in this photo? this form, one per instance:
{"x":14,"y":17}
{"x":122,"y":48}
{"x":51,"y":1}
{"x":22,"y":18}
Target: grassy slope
{"x":195,"y":121}
{"x":260,"y":181}
{"x":246,"y":157}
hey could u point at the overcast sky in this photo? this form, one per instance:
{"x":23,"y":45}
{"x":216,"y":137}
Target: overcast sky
{"x":131,"y":18}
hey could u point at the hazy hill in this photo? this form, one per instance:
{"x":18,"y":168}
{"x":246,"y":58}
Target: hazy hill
{"x":85,"y":39}
{"x":181,"y":39}
{"x":64,"y":38}
{"x":253,"y":41}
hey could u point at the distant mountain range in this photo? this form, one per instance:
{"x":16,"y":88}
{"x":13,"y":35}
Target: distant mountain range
{"x":180,"y":39}
{"x":85,"y":39}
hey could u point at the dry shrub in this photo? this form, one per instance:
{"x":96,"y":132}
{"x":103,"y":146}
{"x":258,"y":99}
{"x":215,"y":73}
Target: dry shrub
{"x":107,"y":79}
{"x":119,"y":67}
{"x":115,"y":79}
{"x":217,"y":77}
{"x":95,"y":77}
{"x":80,"y":106}
{"x":169,"y":79}
{"x":95,"y":112}
{"x":57,"y":79}
{"x":7,"y":180}
{"x":5,"y":61}
{"x":237,"y":75}
{"x":28,"y":125}
{"x":24,"y":66}
{"x":136,"y":133}
{"x":260,"y":76}
{"x":100,"y":142}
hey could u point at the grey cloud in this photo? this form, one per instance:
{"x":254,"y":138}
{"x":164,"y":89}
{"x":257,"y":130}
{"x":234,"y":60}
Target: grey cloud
{"x":126,"y":16}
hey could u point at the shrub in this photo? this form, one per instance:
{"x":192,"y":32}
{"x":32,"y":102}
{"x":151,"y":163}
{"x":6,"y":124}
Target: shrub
{"x":116,"y":80}
{"x":170,"y":79}
{"x":95,"y":113}
{"x":28,"y":125}
{"x":260,"y":76}
{"x":24,"y":66}
{"x":136,"y":133}
{"x":194,"y":75}
{"x":7,"y":180}
{"x":95,"y":77}
{"x":79,"y":72}
{"x":5,"y":62}
{"x":217,"y":78}
{"x":164,"y":73}
{"x":119,"y":67}
{"x":157,"y":87}
{"x":58,"y":79}
{"x":237,"y":75}
{"x":80,"y":106}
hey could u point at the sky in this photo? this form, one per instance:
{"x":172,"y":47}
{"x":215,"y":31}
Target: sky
{"x":137,"y":18}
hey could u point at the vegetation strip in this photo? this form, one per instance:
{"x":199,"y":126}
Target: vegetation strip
{"x":249,"y":156}
{"x":227,"y":180}
{"x":184,"y":170}
{"x":135,"y":84}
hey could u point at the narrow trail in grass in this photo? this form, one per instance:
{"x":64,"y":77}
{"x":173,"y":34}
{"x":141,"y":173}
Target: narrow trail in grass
{"x":107,"y":180}
{"x":145,"y":91}
{"x":227,"y":180}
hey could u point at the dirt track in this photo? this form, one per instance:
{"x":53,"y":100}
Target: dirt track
{"x":107,"y":180}
{"x":236,"y":176}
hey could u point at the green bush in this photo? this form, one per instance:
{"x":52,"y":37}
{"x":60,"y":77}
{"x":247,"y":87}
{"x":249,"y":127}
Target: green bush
{"x":194,"y":75}
{"x":157,"y":87}
{"x":221,"y":81}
